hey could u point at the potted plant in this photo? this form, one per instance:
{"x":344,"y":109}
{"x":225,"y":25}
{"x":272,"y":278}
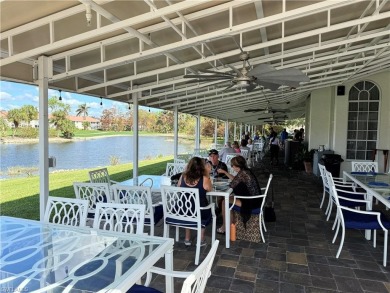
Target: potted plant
{"x":306,"y":157}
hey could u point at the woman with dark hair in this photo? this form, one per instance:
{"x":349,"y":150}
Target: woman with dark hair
{"x":196,"y":175}
{"x":245,"y":184}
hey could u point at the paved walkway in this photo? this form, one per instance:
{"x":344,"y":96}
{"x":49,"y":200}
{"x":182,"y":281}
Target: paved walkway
{"x":298,"y":255}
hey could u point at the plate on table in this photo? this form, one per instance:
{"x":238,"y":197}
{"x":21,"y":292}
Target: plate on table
{"x":221,"y":185}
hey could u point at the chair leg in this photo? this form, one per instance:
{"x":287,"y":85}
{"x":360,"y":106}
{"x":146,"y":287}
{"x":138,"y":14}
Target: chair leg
{"x":335,"y":223}
{"x":166,"y":230}
{"x":337,"y":230}
{"x":177,"y":234}
{"x":323,"y":198}
{"x":330,"y":209}
{"x":262,"y":220}
{"x":260,"y":227}
{"x":341,"y":242}
{"x":385,"y":248}
{"x":374,"y":240}
{"x":198,"y":240}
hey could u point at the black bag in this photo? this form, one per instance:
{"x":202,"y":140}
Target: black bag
{"x":269,"y":212}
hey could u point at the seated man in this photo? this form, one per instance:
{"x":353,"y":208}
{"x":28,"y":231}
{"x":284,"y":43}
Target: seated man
{"x":216,"y":164}
{"x":226,"y":150}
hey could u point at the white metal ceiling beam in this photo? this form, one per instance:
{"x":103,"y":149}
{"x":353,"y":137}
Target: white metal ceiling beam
{"x":315,"y":8}
{"x":100,"y":31}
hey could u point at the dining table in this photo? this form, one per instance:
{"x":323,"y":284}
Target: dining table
{"x":376,"y":185}
{"x":42,"y":257}
{"x":153,"y":181}
{"x":221,"y":188}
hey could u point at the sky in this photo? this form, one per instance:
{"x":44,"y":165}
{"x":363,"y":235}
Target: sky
{"x":14,"y":95}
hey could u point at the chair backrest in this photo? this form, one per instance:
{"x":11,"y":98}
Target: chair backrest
{"x":196,"y":282}
{"x":332,"y":189}
{"x":364,"y":166}
{"x":179,"y":161}
{"x":229,"y":157}
{"x":119,"y":217}
{"x":181,"y":203}
{"x":66,"y":211}
{"x":244,"y":153}
{"x":323,"y":175}
{"x":93,"y":192}
{"x":126,"y":194}
{"x":99,"y":176}
{"x":174,"y":168}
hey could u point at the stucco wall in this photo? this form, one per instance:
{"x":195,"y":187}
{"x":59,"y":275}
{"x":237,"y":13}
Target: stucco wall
{"x":329,"y":117}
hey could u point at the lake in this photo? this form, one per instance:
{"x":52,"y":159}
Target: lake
{"x":89,"y":153}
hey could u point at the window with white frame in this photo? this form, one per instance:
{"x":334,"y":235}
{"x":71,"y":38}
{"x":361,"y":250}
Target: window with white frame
{"x":363,"y":114}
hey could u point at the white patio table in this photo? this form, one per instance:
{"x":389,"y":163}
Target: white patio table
{"x":225,"y":191}
{"x":41,"y":257}
{"x":371,"y":183}
{"x":158,"y":180}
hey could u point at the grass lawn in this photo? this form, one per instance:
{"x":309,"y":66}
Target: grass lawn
{"x":20,"y":197}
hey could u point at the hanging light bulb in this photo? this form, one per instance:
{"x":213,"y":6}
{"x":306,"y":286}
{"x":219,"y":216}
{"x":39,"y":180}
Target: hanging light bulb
{"x":149,"y":109}
{"x":60,"y":98}
{"x":101,"y":101}
{"x":129,"y":107}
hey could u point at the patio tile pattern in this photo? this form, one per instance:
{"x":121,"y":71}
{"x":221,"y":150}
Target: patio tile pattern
{"x":298,"y":255}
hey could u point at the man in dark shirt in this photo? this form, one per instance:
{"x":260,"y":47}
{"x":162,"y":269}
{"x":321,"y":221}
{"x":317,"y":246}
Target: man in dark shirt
{"x":215,"y":164}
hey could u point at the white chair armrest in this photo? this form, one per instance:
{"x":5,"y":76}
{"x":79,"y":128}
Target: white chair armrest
{"x":114,"y":182}
{"x":355,"y":200}
{"x":157,"y":204}
{"x":243,"y":196}
{"x":164,"y":272}
{"x":211,"y":206}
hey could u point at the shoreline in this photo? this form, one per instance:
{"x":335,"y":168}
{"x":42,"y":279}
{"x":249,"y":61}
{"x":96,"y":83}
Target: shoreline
{"x":19,"y":140}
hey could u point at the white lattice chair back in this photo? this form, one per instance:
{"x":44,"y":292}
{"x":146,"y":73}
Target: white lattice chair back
{"x":245,"y":153}
{"x":174,"y":168}
{"x":94,"y":193}
{"x":66,"y":211}
{"x":229,"y":157}
{"x":364,"y":166}
{"x":181,"y":203}
{"x":117,"y":217}
{"x":99,"y":176}
{"x":179,"y":161}
{"x":141,"y":195}
{"x":323,"y":175}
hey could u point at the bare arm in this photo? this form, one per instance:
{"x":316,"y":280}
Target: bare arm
{"x":207,"y":183}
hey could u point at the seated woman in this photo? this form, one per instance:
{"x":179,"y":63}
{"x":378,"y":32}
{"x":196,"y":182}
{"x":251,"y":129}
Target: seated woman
{"x":245,"y":184}
{"x":236,"y":146}
{"x":196,"y":175}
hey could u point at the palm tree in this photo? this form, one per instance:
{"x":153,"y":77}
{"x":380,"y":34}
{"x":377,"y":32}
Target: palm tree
{"x":82,"y":110}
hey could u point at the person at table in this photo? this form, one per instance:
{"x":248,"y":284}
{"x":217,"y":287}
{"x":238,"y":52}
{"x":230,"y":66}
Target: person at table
{"x":274,"y":148}
{"x":214,"y":164}
{"x":236,"y":147}
{"x":196,"y":175}
{"x":225,"y":151}
{"x":245,"y":184}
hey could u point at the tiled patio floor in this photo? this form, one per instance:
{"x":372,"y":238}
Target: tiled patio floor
{"x":298,"y":255}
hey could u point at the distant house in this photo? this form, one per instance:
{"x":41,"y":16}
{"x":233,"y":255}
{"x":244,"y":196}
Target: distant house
{"x":78,"y":122}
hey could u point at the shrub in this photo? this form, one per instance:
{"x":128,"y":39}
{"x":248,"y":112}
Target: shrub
{"x":114,"y":160}
{"x":28,"y":132}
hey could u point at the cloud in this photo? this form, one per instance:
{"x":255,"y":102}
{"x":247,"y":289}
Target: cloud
{"x":6,"y":96}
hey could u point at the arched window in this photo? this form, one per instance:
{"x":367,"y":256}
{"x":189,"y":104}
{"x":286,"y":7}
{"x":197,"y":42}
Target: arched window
{"x":362,"y":120}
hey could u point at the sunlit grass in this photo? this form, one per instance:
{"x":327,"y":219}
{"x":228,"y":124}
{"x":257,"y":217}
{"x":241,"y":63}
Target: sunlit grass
{"x":20,"y":196}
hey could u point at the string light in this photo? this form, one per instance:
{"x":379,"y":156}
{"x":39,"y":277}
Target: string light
{"x":149,"y":109}
{"x":60,"y":98}
{"x":129,"y":107}
{"x":101,"y":101}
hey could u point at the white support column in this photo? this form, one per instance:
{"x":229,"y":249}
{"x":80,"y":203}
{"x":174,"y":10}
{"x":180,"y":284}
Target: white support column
{"x":235,"y":131}
{"x":197,"y":132}
{"x":239,"y":137}
{"x":176,"y":132}
{"x":43,"y":83}
{"x":215,"y":131}
{"x":135,"y":135}
{"x":226,"y":131}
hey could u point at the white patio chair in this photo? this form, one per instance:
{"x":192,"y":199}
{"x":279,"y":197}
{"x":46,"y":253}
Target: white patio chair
{"x":139,"y":195}
{"x":338,"y":181}
{"x":181,"y":208}
{"x":245,"y":153}
{"x":364,"y":166}
{"x":349,"y":218}
{"x":258,"y":211}
{"x":66,"y":211}
{"x":174,"y":168}
{"x":94,"y":193}
{"x":101,"y":176}
{"x":195,"y":282}
{"x":119,"y":217}
{"x":229,"y":157}
{"x":179,"y":161}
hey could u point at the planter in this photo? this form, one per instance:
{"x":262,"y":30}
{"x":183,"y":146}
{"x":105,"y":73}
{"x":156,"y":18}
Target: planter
{"x":308,"y":167}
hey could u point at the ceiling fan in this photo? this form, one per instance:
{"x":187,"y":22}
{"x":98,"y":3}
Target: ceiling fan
{"x":249,"y":78}
{"x":267,"y":110}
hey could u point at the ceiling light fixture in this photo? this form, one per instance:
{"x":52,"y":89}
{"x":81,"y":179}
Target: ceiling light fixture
{"x":88,"y":14}
{"x":60,"y":98}
{"x":101,"y":101}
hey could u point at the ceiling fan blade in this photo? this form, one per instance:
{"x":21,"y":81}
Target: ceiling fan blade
{"x":262,"y":69}
{"x":207,"y":77}
{"x":217,"y":73}
{"x":254,"y":110}
{"x":268,"y":85}
{"x":235,"y":70}
{"x":251,"y":87}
